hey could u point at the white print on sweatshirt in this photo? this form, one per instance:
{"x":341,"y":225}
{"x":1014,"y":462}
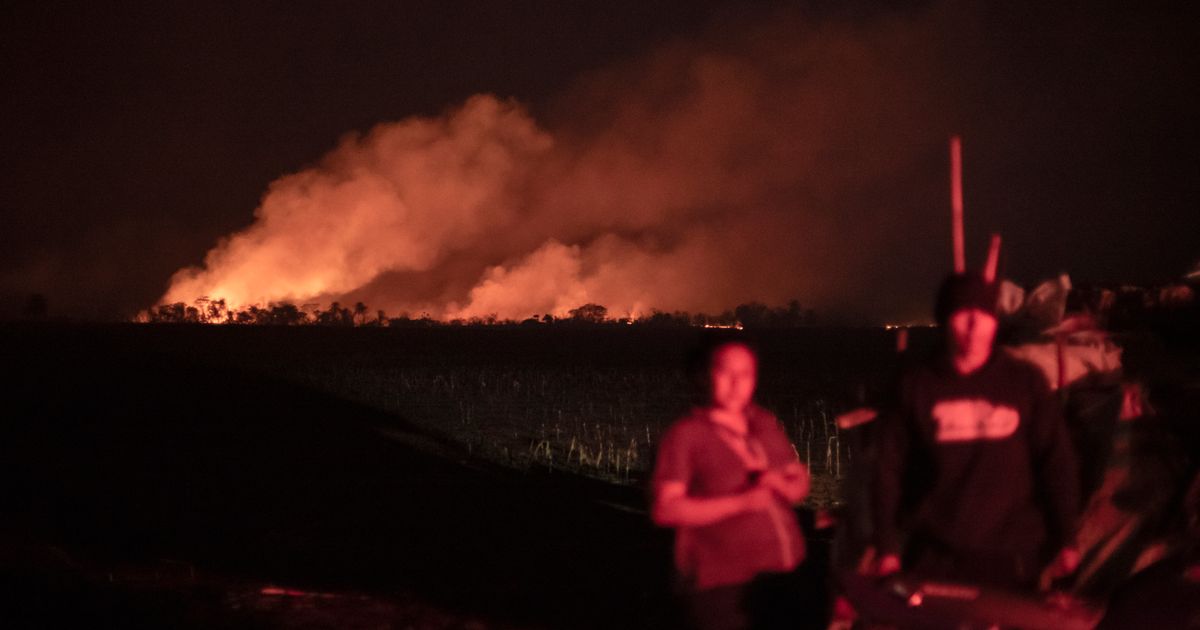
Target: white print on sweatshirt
{"x":973,"y":419}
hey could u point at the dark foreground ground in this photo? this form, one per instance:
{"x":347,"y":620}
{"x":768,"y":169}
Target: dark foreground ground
{"x":246,"y":477}
{"x":141,"y":487}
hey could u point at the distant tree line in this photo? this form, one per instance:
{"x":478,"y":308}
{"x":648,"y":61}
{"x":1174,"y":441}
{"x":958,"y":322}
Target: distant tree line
{"x":208,"y":311}
{"x":1115,"y":307}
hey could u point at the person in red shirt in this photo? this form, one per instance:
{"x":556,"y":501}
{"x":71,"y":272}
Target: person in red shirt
{"x":725,"y":479}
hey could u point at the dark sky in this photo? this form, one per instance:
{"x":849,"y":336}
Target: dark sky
{"x":136,"y":136}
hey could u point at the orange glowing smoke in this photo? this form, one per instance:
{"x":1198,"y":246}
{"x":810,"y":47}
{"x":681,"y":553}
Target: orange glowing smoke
{"x":402,"y":198}
{"x":695,"y":179}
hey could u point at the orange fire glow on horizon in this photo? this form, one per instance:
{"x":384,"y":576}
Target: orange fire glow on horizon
{"x":687,"y":185}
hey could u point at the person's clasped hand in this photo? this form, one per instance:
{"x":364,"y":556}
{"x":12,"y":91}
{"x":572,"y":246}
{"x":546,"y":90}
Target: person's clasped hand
{"x":888,"y":564}
{"x":1063,"y":565}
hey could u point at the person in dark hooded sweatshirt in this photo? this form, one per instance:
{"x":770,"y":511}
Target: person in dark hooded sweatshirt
{"x":975,"y":462}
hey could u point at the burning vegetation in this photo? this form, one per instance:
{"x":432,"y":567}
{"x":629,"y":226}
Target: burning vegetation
{"x":703,"y":175}
{"x":206,"y":311}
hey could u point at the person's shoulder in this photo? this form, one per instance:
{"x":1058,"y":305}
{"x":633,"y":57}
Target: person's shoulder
{"x":763,"y":419}
{"x":1019,"y":370}
{"x":760,"y":414}
{"x":924,"y":369}
{"x":1006,"y":361}
{"x":686,"y":426}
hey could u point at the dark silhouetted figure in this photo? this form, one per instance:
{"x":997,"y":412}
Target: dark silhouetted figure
{"x":975,"y":462}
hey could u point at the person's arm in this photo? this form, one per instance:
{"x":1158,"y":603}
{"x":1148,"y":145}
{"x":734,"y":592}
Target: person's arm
{"x":893,"y":451}
{"x":1057,"y":471}
{"x":673,"y":507}
{"x":786,"y":476}
{"x":790,"y":483}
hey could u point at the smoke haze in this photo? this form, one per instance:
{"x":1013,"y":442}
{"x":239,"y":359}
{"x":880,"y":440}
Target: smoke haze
{"x":763,"y":161}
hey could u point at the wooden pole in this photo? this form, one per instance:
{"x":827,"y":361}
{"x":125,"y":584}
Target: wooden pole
{"x":956,"y":203}
{"x":993,"y":260}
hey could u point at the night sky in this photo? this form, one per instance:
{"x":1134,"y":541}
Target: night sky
{"x":137,"y":137}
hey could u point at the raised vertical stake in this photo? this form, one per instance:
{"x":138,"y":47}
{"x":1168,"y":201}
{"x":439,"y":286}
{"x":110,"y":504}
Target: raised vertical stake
{"x":993,"y":259}
{"x":956,"y":203}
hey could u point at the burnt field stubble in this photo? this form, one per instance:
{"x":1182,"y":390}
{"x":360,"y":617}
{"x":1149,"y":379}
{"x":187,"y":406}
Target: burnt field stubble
{"x":493,"y":471}
{"x":518,"y":397}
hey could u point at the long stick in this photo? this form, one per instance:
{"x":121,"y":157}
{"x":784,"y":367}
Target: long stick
{"x":956,"y":203}
{"x":993,"y":260}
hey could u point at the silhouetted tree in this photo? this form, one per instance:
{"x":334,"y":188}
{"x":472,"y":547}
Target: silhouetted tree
{"x":665,"y":319}
{"x":258,"y":315}
{"x":589,"y":313}
{"x":215,"y":310}
{"x":285,"y":314}
{"x":169,"y":313}
{"x":753,"y":314}
{"x":758,"y":315}
{"x":335,"y":316}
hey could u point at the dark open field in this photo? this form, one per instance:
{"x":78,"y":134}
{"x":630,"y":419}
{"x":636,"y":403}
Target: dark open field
{"x":164,"y":476}
{"x":160,"y":475}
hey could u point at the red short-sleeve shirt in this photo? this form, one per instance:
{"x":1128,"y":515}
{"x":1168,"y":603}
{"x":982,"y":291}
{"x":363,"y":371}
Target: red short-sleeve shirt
{"x":733,"y":550}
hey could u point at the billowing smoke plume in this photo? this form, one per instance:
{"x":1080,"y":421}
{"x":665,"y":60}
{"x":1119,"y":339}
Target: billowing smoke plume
{"x":403,"y":198}
{"x":760,"y":166}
